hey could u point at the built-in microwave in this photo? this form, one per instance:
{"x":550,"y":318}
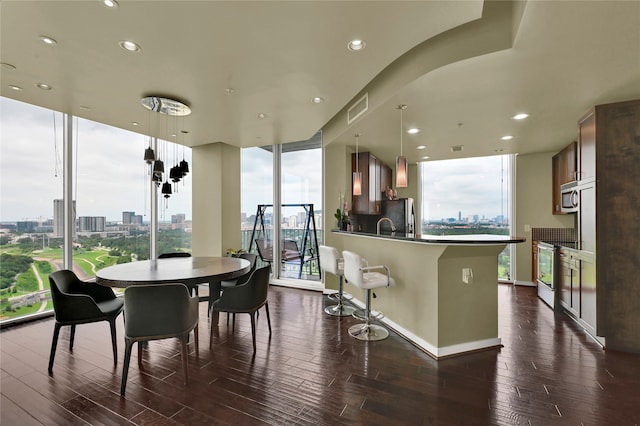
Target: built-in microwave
{"x":570,"y":200}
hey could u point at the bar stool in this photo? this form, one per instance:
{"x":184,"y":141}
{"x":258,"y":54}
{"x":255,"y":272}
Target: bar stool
{"x":360,"y":276}
{"x":331,"y":263}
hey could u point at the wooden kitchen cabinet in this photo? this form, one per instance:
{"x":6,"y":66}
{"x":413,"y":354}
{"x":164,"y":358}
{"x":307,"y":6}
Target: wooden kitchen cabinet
{"x":564,"y":170}
{"x":369,"y":202}
{"x":586,"y":151}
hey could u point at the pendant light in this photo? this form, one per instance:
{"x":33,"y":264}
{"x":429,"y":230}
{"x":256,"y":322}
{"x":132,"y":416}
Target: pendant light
{"x":149,"y":155}
{"x":402,"y":178}
{"x":357,"y":175}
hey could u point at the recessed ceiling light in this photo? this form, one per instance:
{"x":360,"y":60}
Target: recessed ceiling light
{"x":421,"y":147}
{"x":43,"y":86}
{"x":262,"y":115}
{"x":413,"y":130}
{"x":7,"y":66}
{"x":507,"y":138}
{"x":426,"y":157}
{"x":110,"y":3}
{"x":16,"y":88}
{"x":356,"y":45}
{"x":317,"y":100}
{"x":48,"y":40}
{"x":134,"y":123}
{"x":85,"y":108}
{"x":129,"y":45}
{"x":457,"y":148}
{"x":520,"y":116}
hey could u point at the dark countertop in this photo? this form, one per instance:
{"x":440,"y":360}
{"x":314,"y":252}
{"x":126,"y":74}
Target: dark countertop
{"x":476,"y":239}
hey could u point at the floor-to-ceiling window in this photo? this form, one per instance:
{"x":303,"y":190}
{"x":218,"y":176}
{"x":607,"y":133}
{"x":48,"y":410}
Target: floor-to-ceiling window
{"x":301,"y":195}
{"x":297,"y":167}
{"x":30,"y":230}
{"x":468,"y":196}
{"x":111,"y":195}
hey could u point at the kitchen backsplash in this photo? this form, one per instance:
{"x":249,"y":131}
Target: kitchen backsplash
{"x":553,"y":235}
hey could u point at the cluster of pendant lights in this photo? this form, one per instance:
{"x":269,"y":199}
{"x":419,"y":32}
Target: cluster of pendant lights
{"x":177,"y":172}
{"x":172,"y":107}
{"x":402,"y":165}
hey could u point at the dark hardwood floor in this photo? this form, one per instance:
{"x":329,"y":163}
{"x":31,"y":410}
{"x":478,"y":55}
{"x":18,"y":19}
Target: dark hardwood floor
{"x":311,"y":372}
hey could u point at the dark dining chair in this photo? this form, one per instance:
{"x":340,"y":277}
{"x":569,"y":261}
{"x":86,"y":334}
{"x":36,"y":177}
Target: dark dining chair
{"x":79,"y":302}
{"x":253,"y":261}
{"x":174,"y":254}
{"x":158,"y":311}
{"x":246,"y":298}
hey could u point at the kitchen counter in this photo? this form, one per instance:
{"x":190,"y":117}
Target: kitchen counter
{"x":471,"y":239}
{"x":446,"y":295}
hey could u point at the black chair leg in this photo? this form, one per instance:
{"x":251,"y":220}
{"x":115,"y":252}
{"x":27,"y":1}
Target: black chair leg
{"x":266,"y":307}
{"x":72,"y":337}
{"x":114,"y":345}
{"x":125,"y":365}
{"x":54,"y":344}
{"x":253,"y":330}
{"x":184,"y":356}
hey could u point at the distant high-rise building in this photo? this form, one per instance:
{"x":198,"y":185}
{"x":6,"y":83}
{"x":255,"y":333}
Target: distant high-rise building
{"x":58,"y":218}
{"x":293,"y":221}
{"x":136,"y":220}
{"x":460,"y":215}
{"x":92,"y":223}
{"x":127,"y":217}
{"x":178,"y":218}
{"x":26,"y":226}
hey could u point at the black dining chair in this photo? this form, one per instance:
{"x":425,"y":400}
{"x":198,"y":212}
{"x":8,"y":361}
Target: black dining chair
{"x":158,"y":311}
{"x":174,"y":254}
{"x":79,"y":302}
{"x":246,"y":298}
{"x":253,"y":261}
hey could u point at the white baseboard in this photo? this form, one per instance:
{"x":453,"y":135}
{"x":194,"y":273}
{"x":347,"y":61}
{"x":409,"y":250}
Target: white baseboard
{"x":525,"y":283}
{"x":433,"y":351}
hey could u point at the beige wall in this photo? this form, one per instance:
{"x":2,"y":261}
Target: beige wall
{"x":337,"y":179}
{"x":216,"y":199}
{"x":534,"y":206}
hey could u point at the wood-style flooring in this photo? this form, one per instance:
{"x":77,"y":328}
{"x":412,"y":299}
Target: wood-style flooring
{"x":310,"y":372}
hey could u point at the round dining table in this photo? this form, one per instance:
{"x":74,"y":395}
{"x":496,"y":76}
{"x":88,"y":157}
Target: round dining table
{"x":190,"y":271}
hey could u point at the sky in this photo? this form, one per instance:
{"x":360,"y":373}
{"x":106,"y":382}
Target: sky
{"x":112,"y":176}
{"x":471,"y":186}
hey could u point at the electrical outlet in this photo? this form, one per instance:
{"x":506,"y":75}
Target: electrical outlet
{"x":527,"y":228}
{"x":467,"y":275}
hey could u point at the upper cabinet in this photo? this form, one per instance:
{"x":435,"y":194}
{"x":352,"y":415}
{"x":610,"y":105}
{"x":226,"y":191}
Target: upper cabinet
{"x":376,"y":177}
{"x":564,"y":171}
{"x":587,"y":147}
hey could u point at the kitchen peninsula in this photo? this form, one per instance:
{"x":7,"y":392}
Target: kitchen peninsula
{"x":445,"y":299}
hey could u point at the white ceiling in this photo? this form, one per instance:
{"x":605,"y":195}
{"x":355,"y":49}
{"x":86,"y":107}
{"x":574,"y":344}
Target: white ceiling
{"x":444,"y":59}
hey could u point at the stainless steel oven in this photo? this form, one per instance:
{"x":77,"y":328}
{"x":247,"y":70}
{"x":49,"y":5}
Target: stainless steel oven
{"x":547,"y":273}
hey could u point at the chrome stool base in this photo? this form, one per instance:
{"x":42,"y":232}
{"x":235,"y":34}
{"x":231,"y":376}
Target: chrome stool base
{"x":339,"y":310}
{"x":368,"y":332}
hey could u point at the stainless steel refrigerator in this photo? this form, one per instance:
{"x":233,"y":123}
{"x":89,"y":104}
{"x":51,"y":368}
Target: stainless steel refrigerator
{"x":402,"y":214}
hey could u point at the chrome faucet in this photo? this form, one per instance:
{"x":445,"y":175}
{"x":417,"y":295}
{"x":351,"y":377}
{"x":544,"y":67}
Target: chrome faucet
{"x":385,"y":219}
